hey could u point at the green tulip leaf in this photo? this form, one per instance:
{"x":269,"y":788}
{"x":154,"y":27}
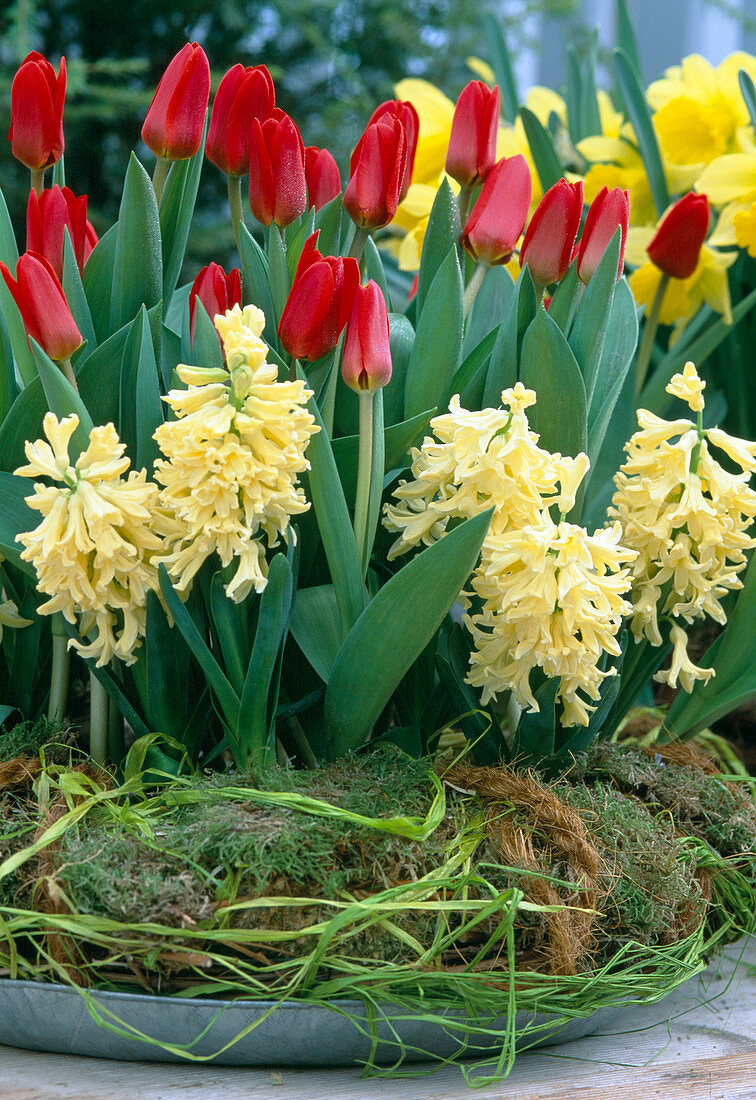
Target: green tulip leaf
{"x":402,"y":340}
{"x":98,"y":282}
{"x":637,"y":110}
{"x":397,"y":441}
{"x":374,"y":269}
{"x":138,"y":264}
{"x":616,"y":360}
{"x":8,"y":246}
{"x":328,"y":221}
{"x":392,"y":632}
{"x":503,"y":367}
{"x":589,"y":329}
{"x":626,"y":38}
{"x":278,"y":271}
{"x":547,"y":163}
{"x":16,"y":517}
{"x":489,"y":307}
{"x":440,"y":239}
{"x":256,"y":284}
{"x":63,"y":399}
{"x":435,"y":353}
{"x":296,"y":244}
{"x":470,"y":378}
{"x":548,"y":366}
{"x":141,"y":407}
{"x":566,"y":298}
{"x":73,"y":289}
{"x":176,"y":211}
{"x":502,"y":67}
{"x":17,"y":335}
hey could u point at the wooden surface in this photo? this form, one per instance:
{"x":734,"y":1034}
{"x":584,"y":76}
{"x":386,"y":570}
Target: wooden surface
{"x":698,"y":1045}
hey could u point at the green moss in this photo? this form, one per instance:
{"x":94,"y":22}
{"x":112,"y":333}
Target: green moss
{"x":27,"y":738}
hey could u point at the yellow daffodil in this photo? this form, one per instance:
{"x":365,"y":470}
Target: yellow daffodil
{"x":686,"y":515}
{"x":730,"y":182}
{"x":95,"y":547}
{"x":232,"y":456}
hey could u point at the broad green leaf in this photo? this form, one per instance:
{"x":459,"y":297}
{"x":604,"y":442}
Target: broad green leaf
{"x":98,"y":281}
{"x":278,"y":271}
{"x":393,"y":631}
{"x":536,"y":732}
{"x":470,"y":378}
{"x":99,"y":379}
{"x":435,"y":353}
{"x":573,"y":96}
{"x":440,"y":239}
{"x":589,"y":328}
{"x":502,"y":66}
{"x":206,"y":350}
{"x":15,"y":518}
{"x":600,"y":480}
{"x":590,"y":119}
{"x":295,"y":245}
{"x":397,"y":441}
{"x":17,"y":335}
{"x":138,"y":264}
{"x":503,"y":368}
{"x":141,"y":407}
{"x":328,"y":221}
{"x":23,"y":422}
{"x":231,"y":632}
{"x":176,"y":210}
{"x":488,"y":308}
{"x":616,"y":360}
{"x":256,"y":284}
{"x":547,"y":163}
{"x":272,"y":627}
{"x":402,"y":339}
{"x":626,"y":38}
{"x":167,"y":662}
{"x":316,"y":627}
{"x":8,"y":384}
{"x":8,"y":246}
{"x":77,"y":299}
{"x":548,"y":366}
{"x":565,"y":299}
{"x":374,"y":269}
{"x":62,"y":399}
{"x":637,"y":110}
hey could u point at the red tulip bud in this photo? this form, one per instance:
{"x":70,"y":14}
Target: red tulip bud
{"x":498,"y":217}
{"x":277,"y":184}
{"x":407,"y":115}
{"x":366,"y":363}
{"x":322,"y":175}
{"x":37,"y":96}
{"x":319,"y":303}
{"x":472,"y":142}
{"x":176,"y":118}
{"x":376,"y":173}
{"x":548,"y":241}
{"x":43,"y":307}
{"x":47,"y":216}
{"x":677,"y":245}
{"x":609,"y":211}
{"x":216,"y":290}
{"x":242,"y":95}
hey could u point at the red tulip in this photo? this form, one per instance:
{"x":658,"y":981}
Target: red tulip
{"x":216,"y":290}
{"x":472,"y":142}
{"x":176,"y":118}
{"x":609,"y":211}
{"x":376,"y":173}
{"x":47,"y":216}
{"x":37,"y":96}
{"x":242,"y":95}
{"x":550,"y":236}
{"x":322,"y":175}
{"x":498,"y":217}
{"x":277,"y":184}
{"x":407,"y":115}
{"x":366,"y":363}
{"x":43,"y":307}
{"x":319,"y":303}
{"x":677,"y":245}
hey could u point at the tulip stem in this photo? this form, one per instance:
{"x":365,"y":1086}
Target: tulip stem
{"x":68,"y":373}
{"x":235,"y":202}
{"x":369,"y":474}
{"x":464,"y":202}
{"x":649,"y":333}
{"x":357,"y":247}
{"x":56,"y":708}
{"x":99,"y":720}
{"x":38,"y":179}
{"x":159,"y":177}
{"x":472,"y":288}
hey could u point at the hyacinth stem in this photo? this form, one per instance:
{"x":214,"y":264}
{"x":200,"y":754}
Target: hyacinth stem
{"x":369,"y":474}
{"x":68,"y":373}
{"x":38,"y":179}
{"x":56,"y":708}
{"x":357,"y":247}
{"x":99,"y":720}
{"x":649,"y":334}
{"x":472,"y":288}
{"x":159,"y":177}
{"x":235,"y":202}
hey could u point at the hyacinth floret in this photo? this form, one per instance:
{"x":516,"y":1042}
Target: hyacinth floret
{"x":94,"y":549}
{"x":686,"y":516}
{"x":231,"y":458}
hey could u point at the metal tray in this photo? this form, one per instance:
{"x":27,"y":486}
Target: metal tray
{"x":55,"y":1018}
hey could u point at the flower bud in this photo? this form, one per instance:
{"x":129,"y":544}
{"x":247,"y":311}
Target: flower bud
{"x":37,"y":97}
{"x":176,"y":118}
{"x":322,"y":175}
{"x":216,"y":290}
{"x":243,"y":94}
{"x":609,"y":211}
{"x":277,"y":184}
{"x":376,"y":173}
{"x":550,"y":236}
{"x":48,"y":215}
{"x":498,"y":217}
{"x":319,"y":303}
{"x":677,"y":245}
{"x":472,"y":141}
{"x":366,"y":363}
{"x":43,"y":307}
{"x":407,"y":115}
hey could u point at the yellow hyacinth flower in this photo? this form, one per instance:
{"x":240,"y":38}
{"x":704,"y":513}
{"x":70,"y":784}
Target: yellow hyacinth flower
{"x":553,"y":598}
{"x":94,"y":549}
{"x":687,"y":516}
{"x":232,"y":456}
